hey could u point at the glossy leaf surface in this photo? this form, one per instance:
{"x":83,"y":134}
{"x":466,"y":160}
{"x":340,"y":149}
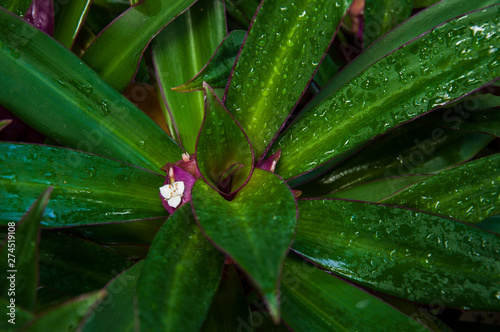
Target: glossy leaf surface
{"x":19,"y":254}
{"x":468,"y":193}
{"x":66,"y":316}
{"x":18,"y":7}
{"x":403,"y":253}
{"x":416,"y":148}
{"x":49,"y":88}
{"x":314,"y":300}
{"x":255,"y":228}
{"x":382,"y":16}
{"x":195,"y":34}
{"x":222,"y":144}
{"x":379,"y":189}
{"x":116,"y":52}
{"x":117,"y":311}
{"x":69,"y":19}
{"x":441,"y":66}
{"x":413,"y":28}
{"x":87,"y":188}
{"x":72,"y":266}
{"x":180,"y":276}
{"x":260,"y":94}
{"x":217,"y":71}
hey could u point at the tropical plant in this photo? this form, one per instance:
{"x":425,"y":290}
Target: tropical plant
{"x":278,"y":193}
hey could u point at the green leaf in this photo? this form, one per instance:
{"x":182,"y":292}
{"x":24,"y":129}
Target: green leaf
{"x":117,"y":310}
{"x":382,"y":16}
{"x":433,"y":70}
{"x":314,"y":300}
{"x":379,"y":189}
{"x":179,"y":278}
{"x":16,"y":319}
{"x":68,"y":316}
{"x":404,"y":253}
{"x":195,"y":34}
{"x":222,"y":144}
{"x":255,"y":228}
{"x":4,"y":123}
{"x":116,"y":52}
{"x":229,"y":307}
{"x":469,"y":192}
{"x":18,"y":7}
{"x":68,"y":20}
{"x":217,"y":71}
{"x":18,"y":255}
{"x":87,"y":188}
{"x":491,"y":224}
{"x":260,"y":94}
{"x":415,"y":148}
{"x":413,"y":28}
{"x":73,"y":266}
{"x":50,"y":89}
{"x":242,"y":11}
{"x":423,"y":3}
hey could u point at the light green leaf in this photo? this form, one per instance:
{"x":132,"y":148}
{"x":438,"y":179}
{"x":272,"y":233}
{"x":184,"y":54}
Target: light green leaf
{"x":255,"y":228}
{"x":4,"y":123}
{"x":50,"y":89}
{"x":179,"y":277}
{"x":404,"y":253}
{"x":18,"y":256}
{"x":116,"y":52}
{"x":68,"y":20}
{"x":433,"y":70}
{"x":469,"y":192}
{"x":87,"y":188}
{"x":260,"y":94}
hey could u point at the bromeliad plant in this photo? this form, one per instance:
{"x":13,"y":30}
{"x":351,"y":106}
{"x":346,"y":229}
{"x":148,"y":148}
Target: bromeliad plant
{"x":267,"y":166}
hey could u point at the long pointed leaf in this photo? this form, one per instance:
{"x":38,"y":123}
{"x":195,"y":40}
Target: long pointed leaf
{"x":49,"y":88}
{"x":260,"y":94}
{"x":14,"y":320}
{"x":469,"y":192}
{"x":255,"y":228}
{"x":195,"y":36}
{"x":116,"y":52}
{"x":441,"y":66}
{"x":314,"y":300}
{"x":69,"y":19}
{"x":18,"y":7}
{"x":403,"y":253}
{"x":87,"y":188}
{"x":179,"y":277}
{"x":18,"y":255}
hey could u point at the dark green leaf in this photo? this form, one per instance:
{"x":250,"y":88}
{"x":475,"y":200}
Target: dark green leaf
{"x":68,"y":316}
{"x":217,"y":70}
{"x":50,"y":89}
{"x":222,"y":144}
{"x":416,"y":148}
{"x":179,"y":278}
{"x":116,"y":52}
{"x":379,"y":189}
{"x":423,"y":3}
{"x":229,"y":307}
{"x":260,"y":94}
{"x":255,"y":228}
{"x":68,"y":20}
{"x":74,"y":266}
{"x":18,"y":255}
{"x":195,"y":36}
{"x":18,"y":7}
{"x":403,"y":253}
{"x":469,"y":192}
{"x":314,"y":300}
{"x":491,"y":224}
{"x":87,"y":188}
{"x":441,"y":66}
{"x":117,"y":310}
{"x":382,"y":16}
{"x":14,"y":320}
{"x":242,"y":11}
{"x":4,"y":123}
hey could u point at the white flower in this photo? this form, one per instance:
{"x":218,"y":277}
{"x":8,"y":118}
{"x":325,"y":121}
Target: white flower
{"x":172,"y":193}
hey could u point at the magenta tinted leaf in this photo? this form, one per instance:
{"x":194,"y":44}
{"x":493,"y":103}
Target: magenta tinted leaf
{"x":255,"y":228}
{"x":180,"y":175}
{"x":269,"y":164}
{"x":41,"y":14}
{"x":222,"y":144}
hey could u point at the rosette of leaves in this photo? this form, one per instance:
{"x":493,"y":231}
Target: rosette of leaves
{"x":311,"y":199}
